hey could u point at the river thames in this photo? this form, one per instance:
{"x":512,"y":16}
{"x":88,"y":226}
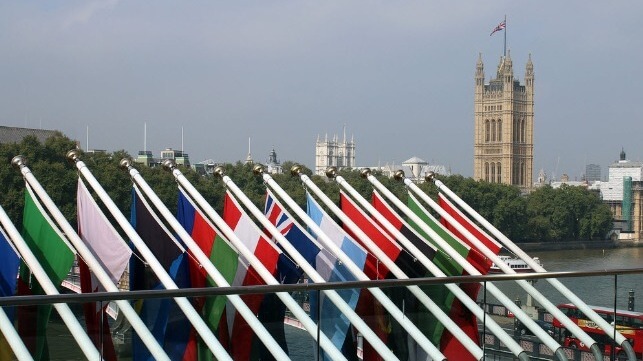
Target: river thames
{"x":596,"y":291}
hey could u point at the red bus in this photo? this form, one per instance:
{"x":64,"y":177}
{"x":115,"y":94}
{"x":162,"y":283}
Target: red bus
{"x":628,"y":323}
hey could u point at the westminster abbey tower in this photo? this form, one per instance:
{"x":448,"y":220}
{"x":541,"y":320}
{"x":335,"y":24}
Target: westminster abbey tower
{"x":504,"y":126}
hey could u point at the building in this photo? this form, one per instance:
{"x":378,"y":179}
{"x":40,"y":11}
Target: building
{"x":623,"y":192}
{"x":146,"y":158}
{"x":16,"y":134}
{"x":178,"y":156}
{"x":334,"y":153}
{"x":592,"y":172}
{"x":414,"y":168}
{"x":273,"y":166}
{"x":504,"y":125}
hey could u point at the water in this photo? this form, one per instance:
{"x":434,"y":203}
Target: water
{"x":596,"y":291}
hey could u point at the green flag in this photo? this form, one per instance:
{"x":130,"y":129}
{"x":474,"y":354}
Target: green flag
{"x":55,"y":257}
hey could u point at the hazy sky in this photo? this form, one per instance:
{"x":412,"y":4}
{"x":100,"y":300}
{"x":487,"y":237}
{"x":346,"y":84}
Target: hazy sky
{"x":398,"y":74}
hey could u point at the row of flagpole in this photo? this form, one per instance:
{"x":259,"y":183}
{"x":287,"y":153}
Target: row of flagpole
{"x":329,"y":343}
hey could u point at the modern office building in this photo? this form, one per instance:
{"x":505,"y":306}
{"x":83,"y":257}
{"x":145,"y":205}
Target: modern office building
{"x":504,"y":125}
{"x":592,"y":172}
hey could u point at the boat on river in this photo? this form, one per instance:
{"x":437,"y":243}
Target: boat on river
{"x":516,"y":264}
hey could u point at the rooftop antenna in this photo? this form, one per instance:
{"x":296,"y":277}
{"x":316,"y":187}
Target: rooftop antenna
{"x":145,"y":136}
{"x":87,"y":135}
{"x":181,"y":139}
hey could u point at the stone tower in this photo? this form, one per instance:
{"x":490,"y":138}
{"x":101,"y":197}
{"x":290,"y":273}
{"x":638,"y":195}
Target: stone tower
{"x":334,"y":152}
{"x":504,"y":126}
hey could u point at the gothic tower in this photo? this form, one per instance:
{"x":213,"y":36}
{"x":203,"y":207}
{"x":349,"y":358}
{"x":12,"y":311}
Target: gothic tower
{"x":334,"y":152}
{"x":504,"y":126}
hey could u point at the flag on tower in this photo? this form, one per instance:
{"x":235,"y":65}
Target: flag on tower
{"x":500,"y":26}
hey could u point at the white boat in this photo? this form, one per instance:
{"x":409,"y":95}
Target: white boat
{"x":516,"y":264}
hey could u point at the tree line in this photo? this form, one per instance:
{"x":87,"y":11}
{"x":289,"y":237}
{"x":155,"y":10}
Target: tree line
{"x":546,"y":214}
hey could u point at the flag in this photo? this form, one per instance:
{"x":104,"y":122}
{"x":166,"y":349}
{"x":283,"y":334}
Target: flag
{"x":113,"y":254}
{"x":368,"y":307}
{"x":456,"y":311}
{"x":272,"y":310}
{"x":55,"y":256}
{"x":293,"y":232}
{"x":425,"y":321}
{"x":268,"y":254}
{"x":500,"y":26}
{"x":333,"y":323}
{"x":222,"y":255}
{"x":473,"y":256}
{"x":9,"y":263}
{"x":163,"y":317}
{"x":460,"y":218}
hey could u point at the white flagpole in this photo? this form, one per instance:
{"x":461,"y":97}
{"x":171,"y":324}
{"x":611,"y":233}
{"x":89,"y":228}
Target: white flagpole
{"x":76,"y":330}
{"x":444,"y":246}
{"x":285,"y":297}
{"x":193,"y":316}
{"x":600,"y":321}
{"x":344,"y":308}
{"x":13,"y":339}
{"x":205,"y":262}
{"x":542,"y":300}
{"x":397,"y":314}
{"x":435,"y":270}
{"x":443,"y":318}
{"x":94,"y":265}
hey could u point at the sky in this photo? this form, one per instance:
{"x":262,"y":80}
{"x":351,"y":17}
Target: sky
{"x":398,"y":75}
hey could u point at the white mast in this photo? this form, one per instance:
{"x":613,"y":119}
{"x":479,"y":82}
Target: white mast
{"x":145,"y":136}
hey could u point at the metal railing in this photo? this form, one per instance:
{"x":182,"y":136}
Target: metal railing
{"x":494,"y":350}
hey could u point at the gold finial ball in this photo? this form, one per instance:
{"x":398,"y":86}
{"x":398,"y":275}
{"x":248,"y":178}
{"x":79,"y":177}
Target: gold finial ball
{"x":73,"y":155}
{"x":218,"y":171}
{"x":296,"y":170}
{"x":365,"y":172}
{"x":19,"y":161}
{"x":331,"y":172}
{"x":398,"y":175}
{"x":168,"y":164}
{"x":125,"y":163}
{"x":257,"y":169}
{"x":430,"y":176}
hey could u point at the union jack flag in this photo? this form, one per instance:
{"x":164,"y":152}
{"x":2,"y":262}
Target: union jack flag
{"x":293,"y":232}
{"x":277,"y":216}
{"x":500,"y":26}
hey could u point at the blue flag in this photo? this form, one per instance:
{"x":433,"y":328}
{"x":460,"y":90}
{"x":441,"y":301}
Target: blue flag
{"x":334,"y":324}
{"x":163,"y":317}
{"x":9,"y":262}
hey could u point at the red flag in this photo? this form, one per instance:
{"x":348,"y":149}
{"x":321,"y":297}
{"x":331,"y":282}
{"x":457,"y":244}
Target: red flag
{"x":268,"y":255}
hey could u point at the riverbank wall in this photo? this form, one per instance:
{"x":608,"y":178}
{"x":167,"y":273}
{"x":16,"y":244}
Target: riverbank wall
{"x":560,"y":246}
